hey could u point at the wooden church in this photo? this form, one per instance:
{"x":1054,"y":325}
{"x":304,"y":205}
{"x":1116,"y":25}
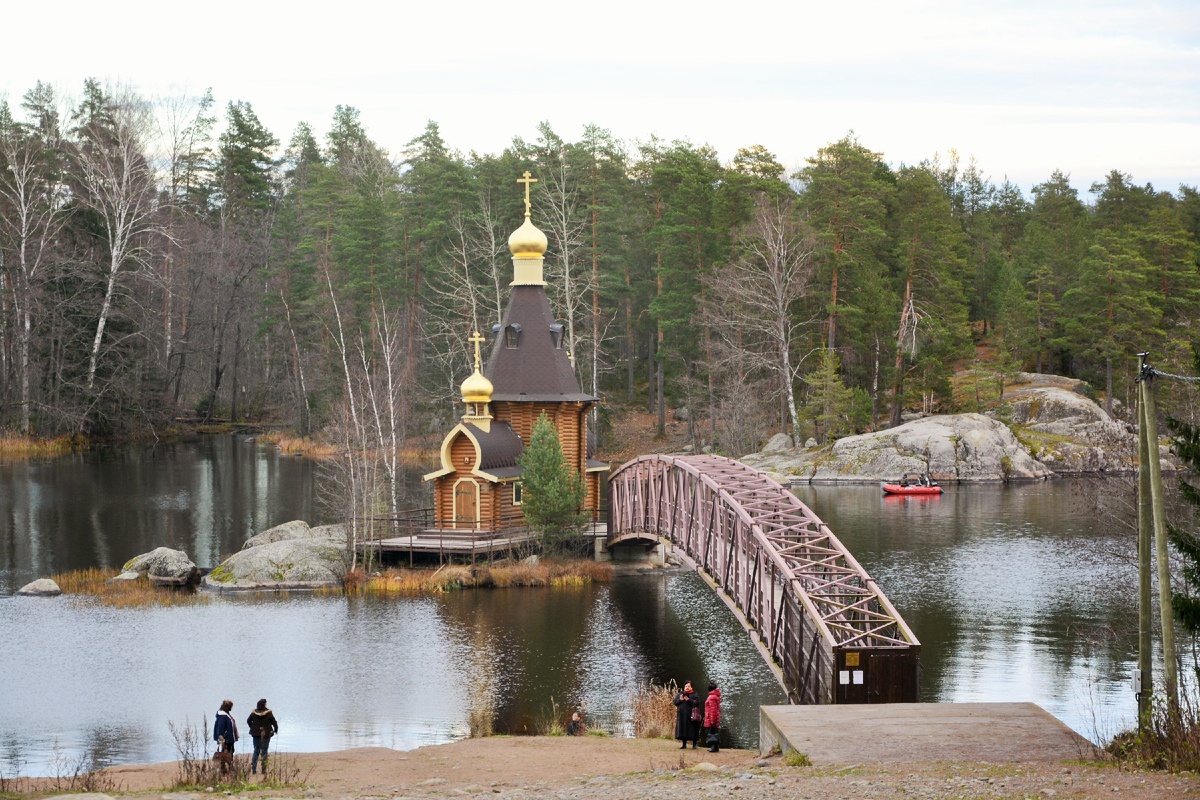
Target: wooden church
{"x":529,"y":372}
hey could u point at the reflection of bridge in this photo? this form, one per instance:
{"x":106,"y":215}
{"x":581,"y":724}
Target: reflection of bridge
{"x":831,"y":634}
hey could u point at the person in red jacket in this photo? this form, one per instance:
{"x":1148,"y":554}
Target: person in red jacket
{"x":712,"y":719}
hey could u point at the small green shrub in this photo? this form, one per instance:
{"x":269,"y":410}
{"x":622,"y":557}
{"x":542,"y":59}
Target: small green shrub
{"x":794,"y":758}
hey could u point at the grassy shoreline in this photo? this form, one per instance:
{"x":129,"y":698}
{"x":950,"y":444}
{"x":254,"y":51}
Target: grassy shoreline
{"x":17,"y":447}
{"x":98,"y":583}
{"x":404,"y":582}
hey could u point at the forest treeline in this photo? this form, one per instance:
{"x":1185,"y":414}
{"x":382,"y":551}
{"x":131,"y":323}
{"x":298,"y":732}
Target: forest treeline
{"x":170,"y":258}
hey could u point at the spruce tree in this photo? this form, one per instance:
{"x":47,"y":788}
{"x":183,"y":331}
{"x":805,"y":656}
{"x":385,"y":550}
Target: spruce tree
{"x":1186,"y":603}
{"x":552,"y":492}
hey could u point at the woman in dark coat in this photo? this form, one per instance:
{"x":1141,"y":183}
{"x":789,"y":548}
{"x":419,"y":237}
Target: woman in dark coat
{"x":712,"y":718}
{"x":225,"y":733}
{"x":262,"y":727}
{"x":687,"y":716}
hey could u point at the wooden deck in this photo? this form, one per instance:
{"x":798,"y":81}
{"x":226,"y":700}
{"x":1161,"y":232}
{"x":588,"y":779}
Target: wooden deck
{"x":469,"y":542}
{"x":838,"y":735}
{"x":456,"y":541}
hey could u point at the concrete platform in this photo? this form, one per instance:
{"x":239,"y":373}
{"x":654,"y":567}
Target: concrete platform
{"x":911,"y":732}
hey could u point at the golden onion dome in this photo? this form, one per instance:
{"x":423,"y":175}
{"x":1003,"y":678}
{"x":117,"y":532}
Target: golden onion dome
{"x":476,"y":388}
{"x":527,"y":241}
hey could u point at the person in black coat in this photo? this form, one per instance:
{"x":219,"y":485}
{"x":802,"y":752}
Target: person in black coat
{"x":262,"y":727}
{"x":225,"y":734}
{"x":687,"y":716}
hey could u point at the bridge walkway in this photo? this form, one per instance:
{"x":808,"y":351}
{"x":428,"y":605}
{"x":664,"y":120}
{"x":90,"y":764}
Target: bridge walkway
{"x":820,"y":619}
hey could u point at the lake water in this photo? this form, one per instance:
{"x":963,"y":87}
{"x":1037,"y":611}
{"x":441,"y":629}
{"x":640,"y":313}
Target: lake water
{"x":1016,"y":592}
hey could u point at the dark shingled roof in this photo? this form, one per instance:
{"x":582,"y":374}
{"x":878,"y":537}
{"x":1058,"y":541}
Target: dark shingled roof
{"x":498,"y":447}
{"x":535,"y":370}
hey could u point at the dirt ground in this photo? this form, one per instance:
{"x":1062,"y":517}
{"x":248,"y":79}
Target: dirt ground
{"x":593,"y":768}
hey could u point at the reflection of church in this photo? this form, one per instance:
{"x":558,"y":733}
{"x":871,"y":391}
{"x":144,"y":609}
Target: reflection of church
{"x":529,"y":372}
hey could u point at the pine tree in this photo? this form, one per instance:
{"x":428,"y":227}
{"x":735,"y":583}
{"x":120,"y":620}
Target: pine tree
{"x":929,"y":253}
{"x":1056,"y":242}
{"x":848,"y":202}
{"x":553,"y":493}
{"x":831,"y":403}
{"x":1186,"y":602}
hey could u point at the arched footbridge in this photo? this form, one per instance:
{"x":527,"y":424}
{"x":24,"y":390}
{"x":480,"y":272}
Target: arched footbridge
{"x":826,"y":629}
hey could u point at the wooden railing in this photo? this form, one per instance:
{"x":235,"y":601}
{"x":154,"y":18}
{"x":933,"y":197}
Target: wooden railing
{"x":418,"y":527}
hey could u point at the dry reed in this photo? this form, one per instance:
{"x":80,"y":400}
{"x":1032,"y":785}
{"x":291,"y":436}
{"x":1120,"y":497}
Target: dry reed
{"x":17,"y":447}
{"x":307,"y":447}
{"x":448,"y":578}
{"x":303,"y":446}
{"x":140,"y":593}
{"x":654,"y":710}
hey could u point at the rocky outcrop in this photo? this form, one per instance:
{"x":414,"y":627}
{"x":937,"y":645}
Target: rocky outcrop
{"x":164,"y":567}
{"x":959,"y":447}
{"x":42,"y":587}
{"x":289,"y":556}
{"x":779,"y":443}
{"x":296,"y":529}
{"x":1072,"y":435}
{"x":1047,"y":425}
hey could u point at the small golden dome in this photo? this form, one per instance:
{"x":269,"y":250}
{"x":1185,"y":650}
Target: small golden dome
{"x":527,"y":241}
{"x":477,"y":389}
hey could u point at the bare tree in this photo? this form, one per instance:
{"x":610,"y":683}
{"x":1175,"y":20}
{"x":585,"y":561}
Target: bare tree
{"x":753,"y":302}
{"x":186,"y":125}
{"x":34,"y":195}
{"x":110,"y":165}
{"x":569,"y":223}
{"x":466,"y":292}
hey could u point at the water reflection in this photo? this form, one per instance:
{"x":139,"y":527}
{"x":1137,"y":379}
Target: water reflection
{"x":1017,"y":593}
{"x":99,"y":509}
{"x":341,"y":673}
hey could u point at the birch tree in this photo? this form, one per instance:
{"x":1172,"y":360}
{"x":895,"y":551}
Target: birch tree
{"x":755,"y":301}
{"x":32,"y":195}
{"x":565,"y":210}
{"x":115,"y":180}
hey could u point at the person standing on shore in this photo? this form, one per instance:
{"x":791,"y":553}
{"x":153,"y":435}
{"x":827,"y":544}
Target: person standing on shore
{"x":687,"y":716}
{"x":262,"y":727}
{"x":225,"y":734}
{"x":712,"y":719}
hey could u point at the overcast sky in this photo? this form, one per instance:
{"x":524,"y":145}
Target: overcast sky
{"x":1024,"y":87}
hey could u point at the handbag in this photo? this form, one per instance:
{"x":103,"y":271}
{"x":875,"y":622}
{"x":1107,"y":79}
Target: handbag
{"x":695,"y":713}
{"x":713,"y":738}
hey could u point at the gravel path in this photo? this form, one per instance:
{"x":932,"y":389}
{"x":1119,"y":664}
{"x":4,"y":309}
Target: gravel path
{"x":589,"y":768}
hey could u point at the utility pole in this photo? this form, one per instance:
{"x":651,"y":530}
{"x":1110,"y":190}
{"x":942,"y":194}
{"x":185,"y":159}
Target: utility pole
{"x":1145,"y":532}
{"x":1150,"y":420}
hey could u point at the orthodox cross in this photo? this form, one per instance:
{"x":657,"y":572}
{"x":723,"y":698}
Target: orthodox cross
{"x":527,"y":179}
{"x":476,"y":338}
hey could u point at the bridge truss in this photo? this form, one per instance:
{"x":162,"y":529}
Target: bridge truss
{"x":832,"y":635}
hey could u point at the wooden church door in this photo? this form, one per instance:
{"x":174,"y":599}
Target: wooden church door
{"x":466,"y":504}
